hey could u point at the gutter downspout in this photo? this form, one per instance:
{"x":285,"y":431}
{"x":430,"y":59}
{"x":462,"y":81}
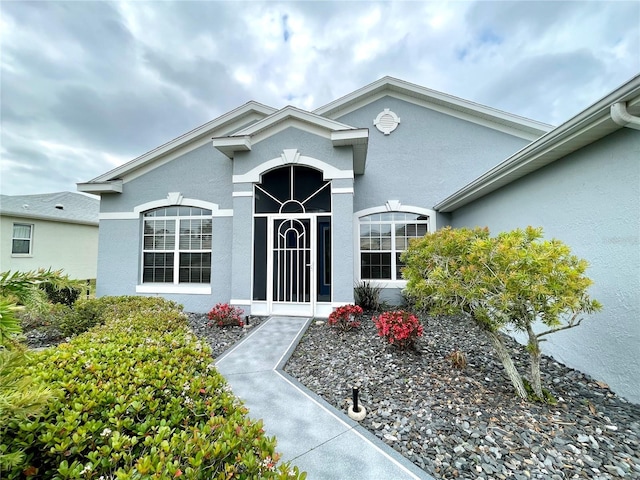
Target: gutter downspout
{"x":622,"y":117}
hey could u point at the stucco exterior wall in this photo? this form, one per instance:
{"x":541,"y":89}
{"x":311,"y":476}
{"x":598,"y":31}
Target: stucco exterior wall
{"x":201,"y":174}
{"x":426,"y":158}
{"x":56,"y":245}
{"x":591,"y":201}
{"x":429,"y":156}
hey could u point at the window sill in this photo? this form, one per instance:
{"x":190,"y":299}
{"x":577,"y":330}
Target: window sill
{"x":21,"y":255}
{"x":185,"y":289}
{"x":386,"y":283}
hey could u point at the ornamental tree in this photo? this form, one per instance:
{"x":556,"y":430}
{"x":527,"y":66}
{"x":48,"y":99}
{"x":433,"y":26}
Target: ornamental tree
{"x":512,"y":281}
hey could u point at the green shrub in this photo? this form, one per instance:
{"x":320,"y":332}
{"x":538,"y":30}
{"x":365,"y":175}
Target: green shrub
{"x":367,"y":296}
{"x":138,"y":397}
{"x":65,"y":296}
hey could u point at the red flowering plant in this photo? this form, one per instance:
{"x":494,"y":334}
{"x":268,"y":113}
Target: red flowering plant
{"x":399,"y":328}
{"x":345,"y":317}
{"x":225,"y":315}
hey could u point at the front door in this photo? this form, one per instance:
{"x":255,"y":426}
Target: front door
{"x":292,"y":241}
{"x":292,"y":260}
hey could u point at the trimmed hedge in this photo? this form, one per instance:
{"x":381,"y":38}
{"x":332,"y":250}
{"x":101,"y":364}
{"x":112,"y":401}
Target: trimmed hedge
{"x":139,"y":397}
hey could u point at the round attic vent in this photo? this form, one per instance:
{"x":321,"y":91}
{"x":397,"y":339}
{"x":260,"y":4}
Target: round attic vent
{"x":386,"y":121}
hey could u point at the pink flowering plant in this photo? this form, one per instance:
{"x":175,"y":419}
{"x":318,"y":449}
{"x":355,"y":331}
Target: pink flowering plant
{"x":399,"y":328}
{"x":346,"y":317}
{"x":225,"y":315}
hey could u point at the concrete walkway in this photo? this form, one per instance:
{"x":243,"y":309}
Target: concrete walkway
{"x":311,"y":434}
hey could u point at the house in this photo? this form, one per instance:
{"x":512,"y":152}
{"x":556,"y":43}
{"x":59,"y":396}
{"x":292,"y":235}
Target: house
{"x":283,"y":211}
{"x":53,"y":230}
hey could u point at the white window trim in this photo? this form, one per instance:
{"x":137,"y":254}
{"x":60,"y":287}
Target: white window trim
{"x":174,"y":199}
{"x":31,"y":229}
{"x":389,"y":207}
{"x":175,"y":287}
{"x":182,"y":288}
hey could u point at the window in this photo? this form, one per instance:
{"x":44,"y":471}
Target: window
{"x":177,"y":245}
{"x":21,"y":242}
{"x":383,"y":238}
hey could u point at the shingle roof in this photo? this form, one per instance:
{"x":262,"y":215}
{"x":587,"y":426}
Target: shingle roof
{"x":66,"y":207}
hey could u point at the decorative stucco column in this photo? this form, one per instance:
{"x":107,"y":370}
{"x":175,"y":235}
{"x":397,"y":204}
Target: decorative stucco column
{"x":242,"y":244}
{"x":343,"y":241}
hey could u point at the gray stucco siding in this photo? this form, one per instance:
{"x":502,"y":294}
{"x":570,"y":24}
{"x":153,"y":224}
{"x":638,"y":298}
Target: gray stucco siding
{"x":118,"y":257}
{"x":427,"y":157}
{"x":590,"y":201}
{"x":203,"y":174}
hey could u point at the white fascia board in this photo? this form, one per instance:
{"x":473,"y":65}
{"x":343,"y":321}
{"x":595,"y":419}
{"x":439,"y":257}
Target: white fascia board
{"x":34,"y":216}
{"x":293,"y":113}
{"x":111,"y":186}
{"x":223,"y":124}
{"x":229,"y":145}
{"x":350,"y":137}
{"x":442,"y":102}
{"x":585,"y":128}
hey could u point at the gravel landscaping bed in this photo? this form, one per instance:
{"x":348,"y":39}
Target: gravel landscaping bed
{"x":468,"y":423}
{"x":456,"y":423}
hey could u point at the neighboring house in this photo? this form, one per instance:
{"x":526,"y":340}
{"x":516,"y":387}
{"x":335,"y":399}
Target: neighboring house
{"x":53,"y":230}
{"x":283,"y":211}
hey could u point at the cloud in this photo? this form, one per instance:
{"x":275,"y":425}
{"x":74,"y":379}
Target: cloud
{"x":111,"y":80}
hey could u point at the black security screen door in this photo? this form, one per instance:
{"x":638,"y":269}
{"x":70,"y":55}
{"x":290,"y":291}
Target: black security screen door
{"x":292,"y":261}
{"x":292,"y":236}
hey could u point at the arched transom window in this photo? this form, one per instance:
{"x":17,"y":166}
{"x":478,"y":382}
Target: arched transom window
{"x":293,"y":189}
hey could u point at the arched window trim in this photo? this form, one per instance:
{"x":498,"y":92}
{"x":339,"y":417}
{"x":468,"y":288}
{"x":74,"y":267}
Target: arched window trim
{"x":189,"y":255}
{"x":391,"y":206}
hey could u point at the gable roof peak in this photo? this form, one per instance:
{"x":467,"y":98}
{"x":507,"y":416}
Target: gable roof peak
{"x":433,"y":99}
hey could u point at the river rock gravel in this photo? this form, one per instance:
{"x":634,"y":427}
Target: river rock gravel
{"x":467,"y":423}
{"x":457,"y":423}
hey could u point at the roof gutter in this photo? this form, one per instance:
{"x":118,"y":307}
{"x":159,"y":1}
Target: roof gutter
{"x":622,"y":117}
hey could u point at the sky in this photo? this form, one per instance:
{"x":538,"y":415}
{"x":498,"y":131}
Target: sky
{"x":86,"y":86}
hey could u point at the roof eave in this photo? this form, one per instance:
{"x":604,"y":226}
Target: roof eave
{"x":110,"y":186}
{"x":595,"y":120}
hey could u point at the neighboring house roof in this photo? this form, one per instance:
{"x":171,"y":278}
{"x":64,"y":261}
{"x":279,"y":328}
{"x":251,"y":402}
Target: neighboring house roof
{"x":339,"y":133}
{"x":613,"y":112}
{"x":441,"y":102}
{"x":238,"y":118}
{"x":66,"y":207}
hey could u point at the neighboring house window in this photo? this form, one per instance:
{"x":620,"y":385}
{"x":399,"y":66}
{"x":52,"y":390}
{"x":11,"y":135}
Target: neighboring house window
{"x":22,"y":239}
{"x":177,"y":245}
{"x":383,"y":238}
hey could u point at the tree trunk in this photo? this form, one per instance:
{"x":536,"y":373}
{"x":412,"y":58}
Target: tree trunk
{"x":507,"y":363}
{"x":534,"y":354}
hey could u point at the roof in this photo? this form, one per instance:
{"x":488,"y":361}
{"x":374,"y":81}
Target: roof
{"x":442,"y":102}
{"x":588,"y":126}
{"x":339,"y":133}
{"x":111,"y":181}
{"x":67,"y":207}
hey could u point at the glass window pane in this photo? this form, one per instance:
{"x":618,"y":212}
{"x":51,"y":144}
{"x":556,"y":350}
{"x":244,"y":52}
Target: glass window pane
{"x":20,"y":247}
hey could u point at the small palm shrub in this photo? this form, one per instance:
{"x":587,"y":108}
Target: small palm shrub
{"x":399,"y":328}
{"x":367,"y":296}
{"x":225,"y":315}
{"x":346,"y":317}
